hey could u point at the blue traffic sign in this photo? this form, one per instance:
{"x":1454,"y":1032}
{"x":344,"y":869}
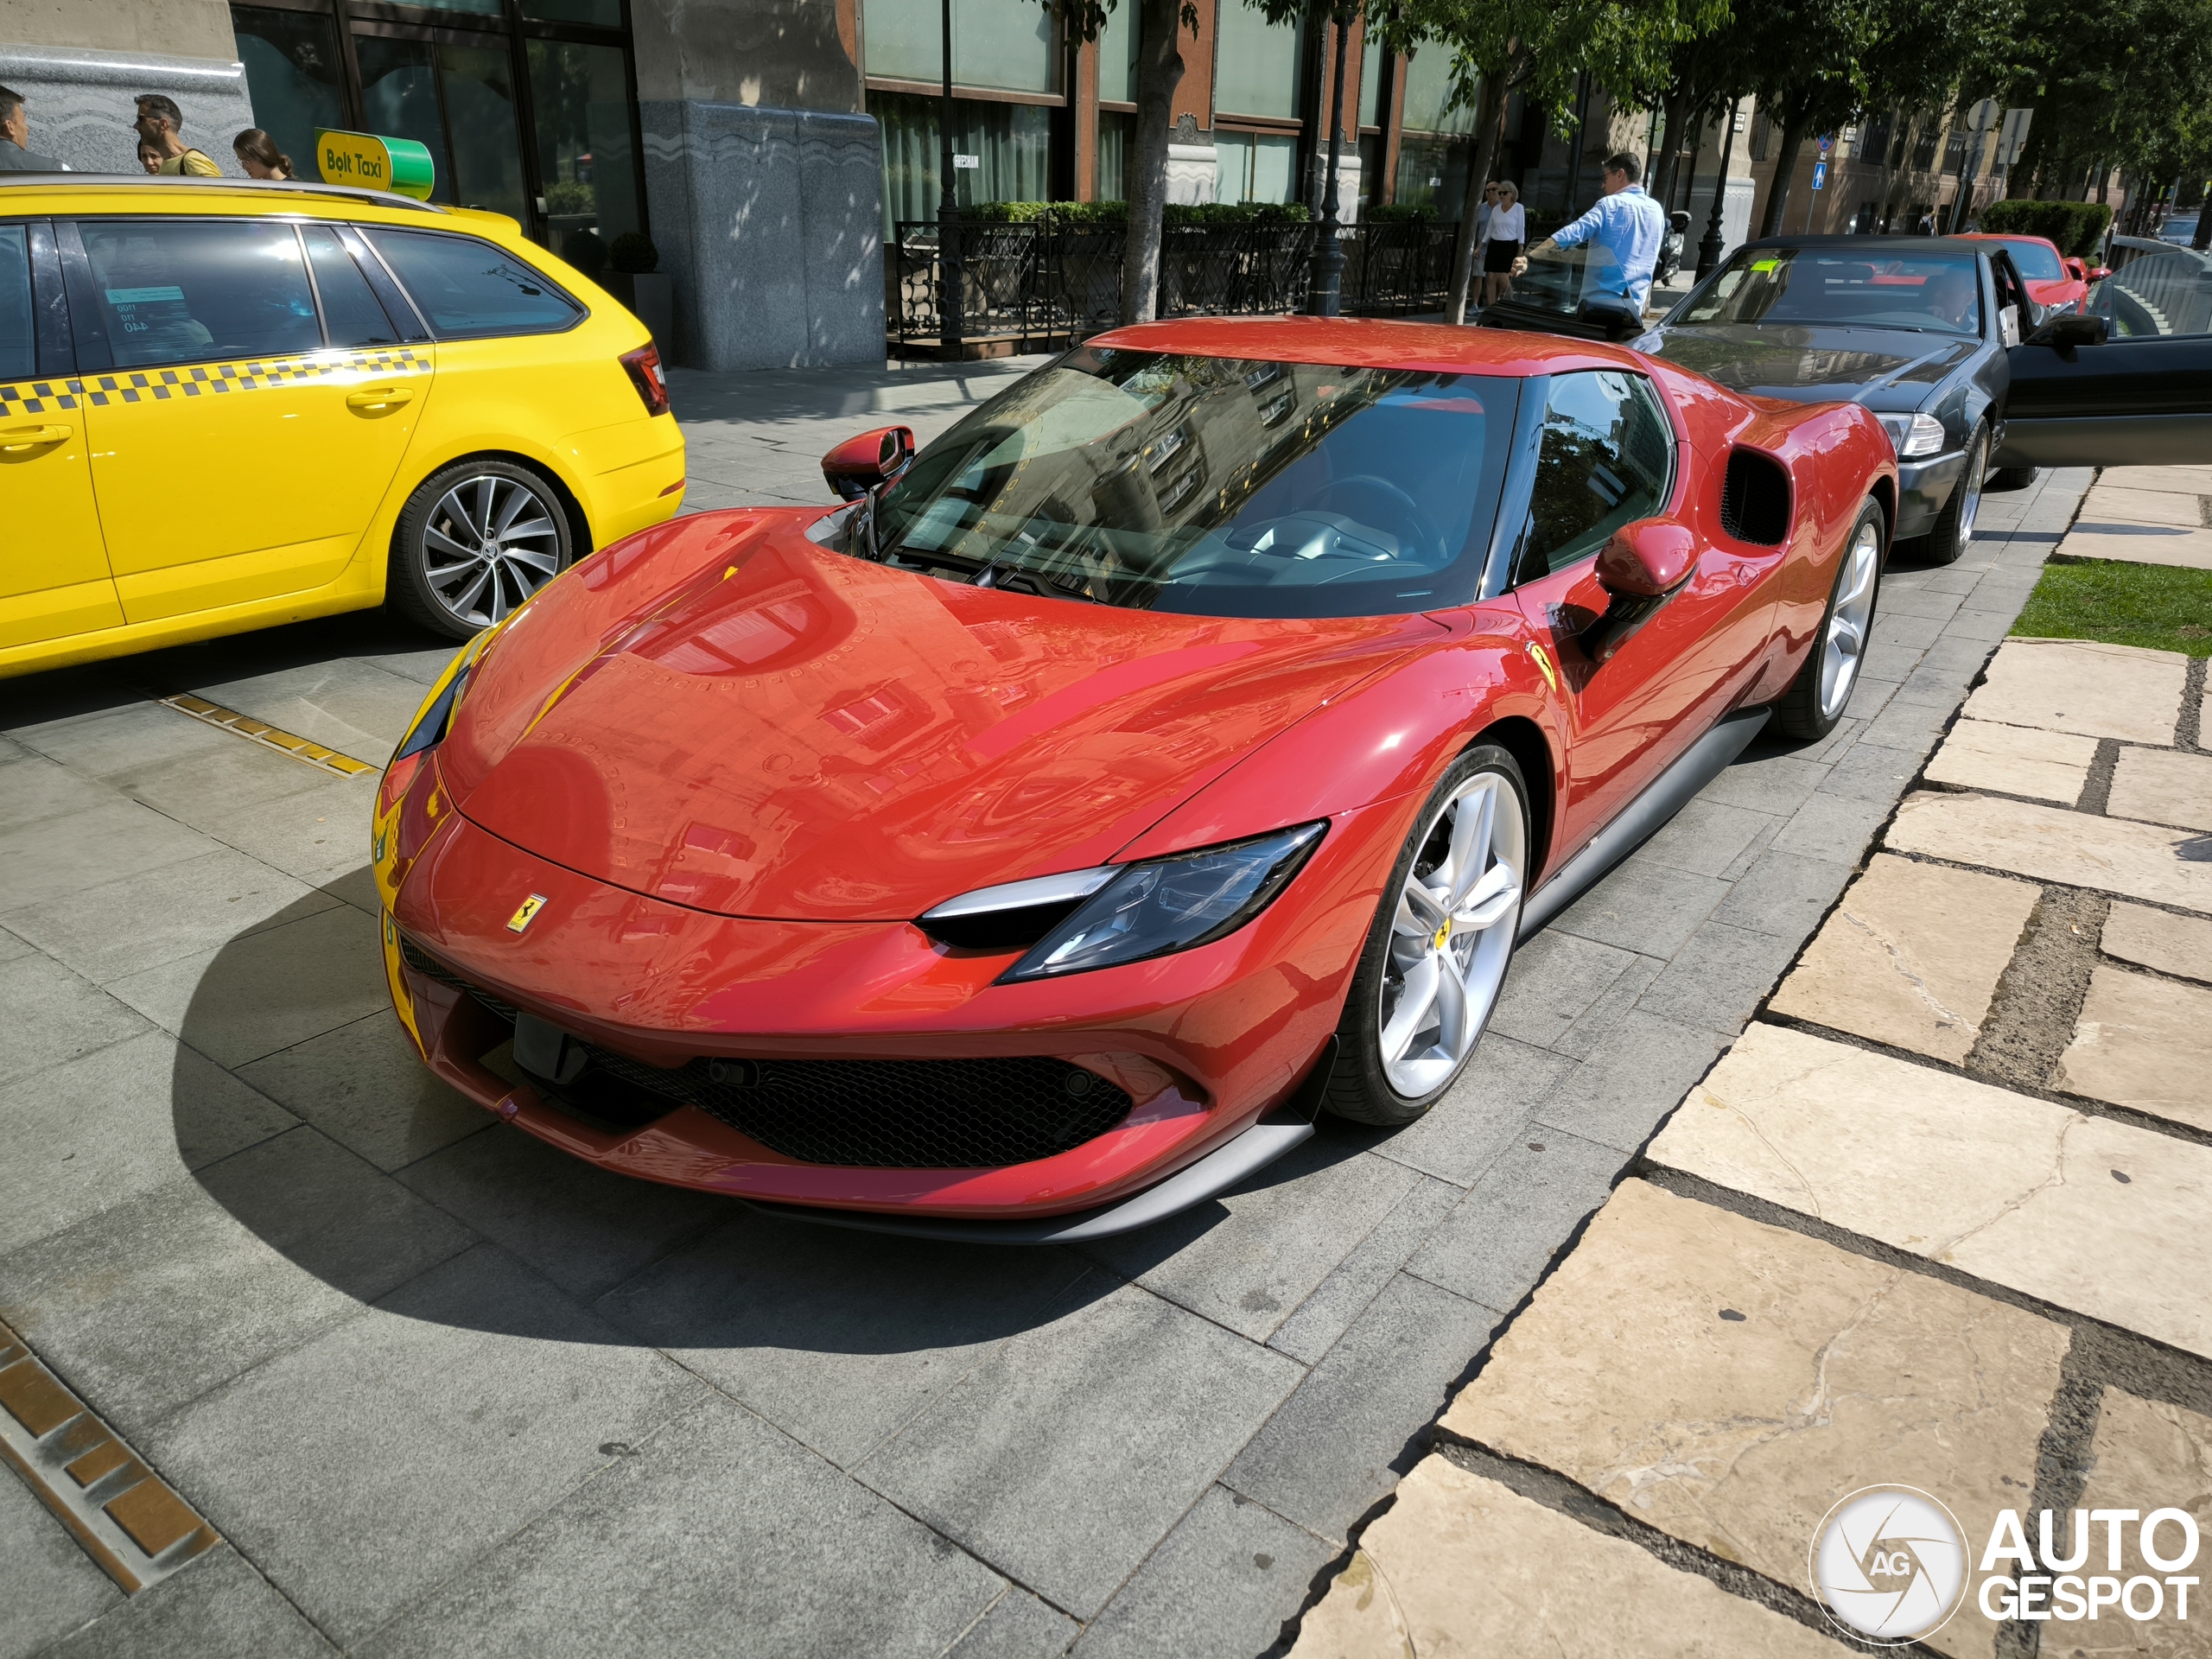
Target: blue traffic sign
{"x":1819,"y":174}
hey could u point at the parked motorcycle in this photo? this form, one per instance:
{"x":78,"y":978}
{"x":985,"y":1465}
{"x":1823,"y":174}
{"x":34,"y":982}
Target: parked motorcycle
{"x":1671,"y":248}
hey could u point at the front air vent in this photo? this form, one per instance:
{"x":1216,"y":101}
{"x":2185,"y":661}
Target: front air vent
{"x":1755,"y":498}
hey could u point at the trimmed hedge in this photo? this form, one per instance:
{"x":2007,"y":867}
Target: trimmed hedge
{"x":1075,"y":215}
{"x":2076,"y":226}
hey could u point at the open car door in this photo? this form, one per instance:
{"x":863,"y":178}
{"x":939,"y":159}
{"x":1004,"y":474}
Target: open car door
{"x":2141,"y":396}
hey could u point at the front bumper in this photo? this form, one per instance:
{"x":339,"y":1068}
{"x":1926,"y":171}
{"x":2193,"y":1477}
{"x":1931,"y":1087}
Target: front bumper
{"x":1923,"y":487}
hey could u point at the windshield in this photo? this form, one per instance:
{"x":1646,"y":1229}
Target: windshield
{"x":2037,"y":261}
{"x":1558,"y":280}
{"x":1221,"y":486}
{"x":1933,"y":293}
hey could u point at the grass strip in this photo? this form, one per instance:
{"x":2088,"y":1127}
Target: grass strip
{"x":2159,"y":607}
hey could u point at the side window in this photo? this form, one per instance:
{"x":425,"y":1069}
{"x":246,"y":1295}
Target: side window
{"x":469,"y":289}
{"x":1605,"y":460}
{"x":350,"y":311}
{"x":18,"y":323}
{"x":2165,"y":293}
{"x":173,"y":291}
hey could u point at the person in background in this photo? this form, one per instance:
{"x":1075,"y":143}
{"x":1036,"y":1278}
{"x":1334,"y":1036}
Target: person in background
{"x":15,"y":154}
{"x":1626,"y":224}
{"x":149,"y":157}
{"x":159,"y":123}
{"x":257,"y":153}
{"x":1508,"y":229}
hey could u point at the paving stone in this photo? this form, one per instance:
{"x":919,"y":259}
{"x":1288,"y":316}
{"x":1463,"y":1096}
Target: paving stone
{"x":354,"y":707}
{"x":1462,"y":1568}
{"x":1595,"y":1028}
{"x":121,"y":1121}
{"x":2108,"y":502}
{"x":2084,"y":686}
{"x":1719,"y":979}
{"x":2140,"y":1043}
{"x":54,"y":1016}
{"x":1631,"y":1079}
{"x":2114,"y":855}
{"x":1071,"y":1449}
{"x":1220,"y":1587}
{"x":1767,"y":780}
{"x":153,"y":1301}
{"x":1463,"y":1134}
{"x":150,"y":917}
{"x":1911,"y":957}
{"x":1018,"y":1626}
{"x":1987,"y":627}
{"x":1783,"y":893}
{"x":1645,"y":907}
{"x":54,"y":857}
{"x":716,"y":1533}
{"x":2014,"y":760}
{"x":318,"y":835}
{"x":1332,"y":1451}
{"x":1737,"y":1435}
{"x":365,"y":1087}
{"x":1913,"y":728}
{"x":1896,"y":627}
{"x":1285,"y":1230}
{"x":2189,"y":549}
{"x":1896,"y":600}
{"x":1836,"y":828}
{"x":48,"y":1585}
{"x":2191,"y":480}
{"x":183,"y":768}
{"x":2146,"y":1455}
{"x":1496,"y":1245}
{"x":38,"y":789}
{"x":839,"y":1337}
{"x":448,"y":1416}
{"x":1869,"y":772}
{"x":2159,"y":940}
{"x":1555,"y":978}
{"x":270,"y":990}
{"x":14,"y":945}
{"x":1886,"y":661}
{"x":2163,"y":786}
{"x":1707,"y":836}
{"x":218,"y":1607}
{"x":1313,"y":1327}
{"x":1994,"y":1184}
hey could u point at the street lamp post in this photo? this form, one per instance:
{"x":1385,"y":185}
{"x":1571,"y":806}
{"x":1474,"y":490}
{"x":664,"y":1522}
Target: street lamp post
{"x":1327,"y":299}
{"x":948,"y":213}
{"x":1709,"y":245}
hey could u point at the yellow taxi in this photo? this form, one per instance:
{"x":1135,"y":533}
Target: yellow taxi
{"x":226,"y":404}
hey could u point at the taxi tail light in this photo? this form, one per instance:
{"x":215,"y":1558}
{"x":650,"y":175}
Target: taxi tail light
{"x":646,"y":374}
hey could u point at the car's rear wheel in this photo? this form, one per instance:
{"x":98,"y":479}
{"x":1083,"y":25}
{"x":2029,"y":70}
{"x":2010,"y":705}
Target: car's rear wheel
{"x":1818,"y":696}
{"x":1435,"y":958}
{"x":474,"y":541}
{"x":1954,"y":531}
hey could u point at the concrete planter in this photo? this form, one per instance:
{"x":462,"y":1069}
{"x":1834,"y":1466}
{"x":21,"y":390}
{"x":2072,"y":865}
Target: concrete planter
{"x":650,"y":296}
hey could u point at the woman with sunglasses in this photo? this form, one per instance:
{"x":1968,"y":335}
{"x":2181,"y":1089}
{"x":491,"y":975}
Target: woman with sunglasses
{"x":1505,"y":226}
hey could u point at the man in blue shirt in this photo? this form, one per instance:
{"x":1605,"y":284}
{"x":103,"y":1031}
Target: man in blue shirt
{"x":1627,"y":228}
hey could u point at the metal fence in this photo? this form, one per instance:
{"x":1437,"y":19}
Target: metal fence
{"x":1049,"y":283}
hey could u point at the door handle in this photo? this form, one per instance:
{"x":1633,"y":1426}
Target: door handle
{"x":373,"y":399}
{"x":14,"y":440}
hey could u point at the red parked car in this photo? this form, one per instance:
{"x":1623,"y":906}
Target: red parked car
{"x":1177,"y":747}
{"x":2056,"y":282}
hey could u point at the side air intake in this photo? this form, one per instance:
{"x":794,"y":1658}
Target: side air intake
{"x":1755,"y":498}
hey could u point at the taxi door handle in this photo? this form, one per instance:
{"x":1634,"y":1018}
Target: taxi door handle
{"x":374,"y":398}
{"x":14,"y":440}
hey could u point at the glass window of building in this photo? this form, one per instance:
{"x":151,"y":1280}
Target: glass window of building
{"x":1259,"y":66}
{"x":580,"y":96}
{"x":1434,"y":146}
{"x":293,"y":76}
{"x":1254,"y":166}
{"x":1117,"y":55}
{"x":1374,"y":68}
{"x":1007,"y":45}
{"x":1012,"y":142}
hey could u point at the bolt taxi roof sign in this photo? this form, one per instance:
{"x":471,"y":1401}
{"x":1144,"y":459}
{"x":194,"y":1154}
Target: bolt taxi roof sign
{"x":374,"y":163}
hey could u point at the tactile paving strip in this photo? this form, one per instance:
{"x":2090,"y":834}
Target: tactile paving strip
{"x":128,"y":1518}
{"x":261,"y":731}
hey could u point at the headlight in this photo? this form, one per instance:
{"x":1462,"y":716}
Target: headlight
{"x":1174,"y":904}
{"x":1913,"y":435}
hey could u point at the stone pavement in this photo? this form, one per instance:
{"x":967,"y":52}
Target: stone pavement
{"x":2147,"y":515}
{"x":441,"y":1391}
{"x":1936,"y":1219}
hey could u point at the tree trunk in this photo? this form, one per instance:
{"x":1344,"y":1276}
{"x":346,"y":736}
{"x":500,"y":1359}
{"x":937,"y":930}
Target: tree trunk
{"x":1490,"y":129}
{"x":1160,"y":70}
{"x":1669,"y":158}
{"x":1785,"y":169}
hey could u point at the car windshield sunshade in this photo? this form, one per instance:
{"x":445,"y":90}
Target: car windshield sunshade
{"x":1213,"y":486}
{"x":1932,"y":293}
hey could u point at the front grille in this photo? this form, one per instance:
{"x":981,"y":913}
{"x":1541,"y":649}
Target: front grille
{"x":972,"y":1114}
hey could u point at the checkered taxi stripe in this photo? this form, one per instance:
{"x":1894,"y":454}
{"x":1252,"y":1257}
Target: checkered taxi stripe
{"x":201,"y":379}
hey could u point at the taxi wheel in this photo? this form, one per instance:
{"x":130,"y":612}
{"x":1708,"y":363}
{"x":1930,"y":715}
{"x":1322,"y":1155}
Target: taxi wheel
{"x":475,"y":542}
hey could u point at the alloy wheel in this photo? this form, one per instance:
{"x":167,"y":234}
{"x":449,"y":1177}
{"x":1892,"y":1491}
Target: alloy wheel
{"x":1844,"y":647}
{"x":1452,"y":935}
{"x":1970,"y":506}
{"x":489,"y":544}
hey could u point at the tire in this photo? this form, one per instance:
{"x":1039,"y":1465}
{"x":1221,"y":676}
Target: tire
{"x":441,"y":577}
{"x":1954,"y":531}
{"x":1821,"y":691}
{"x":1373,"y":1084}
{"x":2010,"y":477}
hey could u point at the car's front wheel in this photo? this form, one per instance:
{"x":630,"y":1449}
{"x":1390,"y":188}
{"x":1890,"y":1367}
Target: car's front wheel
{"x":1435,"y":958}
{"x":474,"y":541}
{"x":1818,"y":696}
{"x":1954,"y":531}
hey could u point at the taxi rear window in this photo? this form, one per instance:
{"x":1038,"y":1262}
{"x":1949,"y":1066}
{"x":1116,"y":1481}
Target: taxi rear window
{"x":469,"y":289}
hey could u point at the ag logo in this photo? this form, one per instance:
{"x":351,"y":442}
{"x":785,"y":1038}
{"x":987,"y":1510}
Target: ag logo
{"x":1889,"y":1563}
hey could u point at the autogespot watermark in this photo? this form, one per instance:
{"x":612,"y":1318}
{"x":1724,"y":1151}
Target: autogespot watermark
{"x":1891,"y":1564}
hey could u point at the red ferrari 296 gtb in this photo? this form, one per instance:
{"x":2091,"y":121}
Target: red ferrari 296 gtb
{"x":1176,"y":748}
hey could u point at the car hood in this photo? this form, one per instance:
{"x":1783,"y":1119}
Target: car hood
{"x":810,"y":736}
{"x":1889,"y":370}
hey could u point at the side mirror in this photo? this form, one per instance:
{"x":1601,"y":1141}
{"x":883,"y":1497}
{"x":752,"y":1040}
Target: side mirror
{"x":1643,"y":566}
{"x":2068,"y":330}
{"x":868,"y":461}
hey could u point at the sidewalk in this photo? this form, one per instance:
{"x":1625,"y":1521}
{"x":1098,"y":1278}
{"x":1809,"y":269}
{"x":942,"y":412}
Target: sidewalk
{"x":1936,"y":1219}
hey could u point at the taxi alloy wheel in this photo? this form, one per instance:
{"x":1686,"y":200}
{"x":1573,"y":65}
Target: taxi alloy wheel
{"x":475,"y":542}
